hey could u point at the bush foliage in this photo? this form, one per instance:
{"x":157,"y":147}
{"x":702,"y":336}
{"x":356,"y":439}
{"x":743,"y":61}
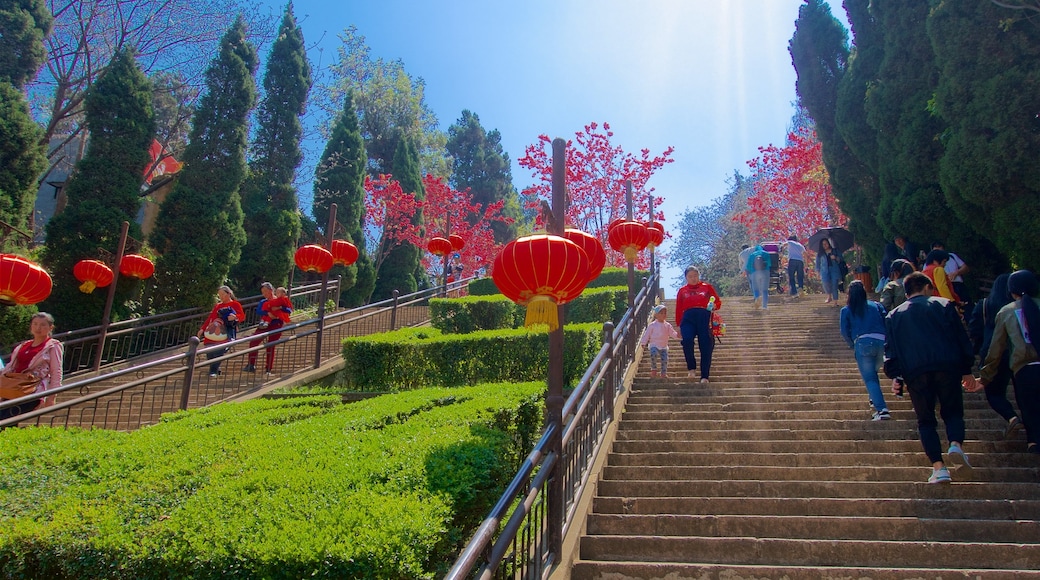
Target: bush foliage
{"x":290,"y":488}
{"x":484,"y":312}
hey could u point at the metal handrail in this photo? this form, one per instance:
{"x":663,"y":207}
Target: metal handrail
{"x":587,"y":413}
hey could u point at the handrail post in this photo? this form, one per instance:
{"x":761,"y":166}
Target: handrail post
{"x":611,"y":394}
{"x":339,"y":289}
{"x":393,"y":311}
{"x":189,"y":372}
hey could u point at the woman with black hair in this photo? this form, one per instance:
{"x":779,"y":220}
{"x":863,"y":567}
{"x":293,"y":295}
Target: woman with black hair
{"x":980,"y":329}
{"x":1012,"y":332}
{"x":863,"y":328}
{"x":828,"y":266}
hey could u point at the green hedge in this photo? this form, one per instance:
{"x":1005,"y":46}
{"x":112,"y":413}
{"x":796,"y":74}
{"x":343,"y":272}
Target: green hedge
{"x":413,"y":358}
{"x":473,"y":313}
{"x":608,"y":277}
{"x":389,"y":487}
{"x":483,"y":287}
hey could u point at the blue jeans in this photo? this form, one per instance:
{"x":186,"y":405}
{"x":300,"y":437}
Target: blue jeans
{"x":796,"y":272}
{"x":656,"y":353}
{"x":760,"y":285}
{"x":870,"y":355}
{"x":696,"y":324}
{"x":830,"y":279}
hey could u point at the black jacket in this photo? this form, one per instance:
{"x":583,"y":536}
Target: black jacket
{"x":926,"y":335}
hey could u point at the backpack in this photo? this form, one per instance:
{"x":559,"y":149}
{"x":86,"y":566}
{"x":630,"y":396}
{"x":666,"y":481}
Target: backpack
{"x":760,"y":262}
{"x":216,"y":331}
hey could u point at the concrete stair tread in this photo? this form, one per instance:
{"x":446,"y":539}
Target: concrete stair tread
{"x":618,"y":570}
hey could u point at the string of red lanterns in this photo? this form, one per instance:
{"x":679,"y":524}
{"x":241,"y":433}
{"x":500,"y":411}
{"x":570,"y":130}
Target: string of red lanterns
{"x":344,"y":253}
{"x":313,"y":258}
{"x":628,"y":237}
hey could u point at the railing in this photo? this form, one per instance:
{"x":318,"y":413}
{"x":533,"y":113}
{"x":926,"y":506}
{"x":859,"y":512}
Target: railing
{"x":132,"y":397}
{"x":520,"y":548}
{"x":136,"y":337}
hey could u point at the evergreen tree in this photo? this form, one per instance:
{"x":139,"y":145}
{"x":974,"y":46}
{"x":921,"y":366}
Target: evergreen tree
{"x":198,"y":232}
{"x":23,"y":26}
{"x":103,"y":190}
{"x":480,"y":164}
{"x":340,"y":179}
{"x":269,"y":200}
{"x":399,"y":270}
{"x":989,"y":95}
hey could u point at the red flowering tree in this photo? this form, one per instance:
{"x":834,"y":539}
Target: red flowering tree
{"x":388,"y":217}
{"x":444,"y":213}
{"x":596,"y":172}
{"x":791,"y":192}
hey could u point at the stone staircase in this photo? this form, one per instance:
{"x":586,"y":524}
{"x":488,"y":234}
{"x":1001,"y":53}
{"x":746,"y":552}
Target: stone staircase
{"x":774,"y":470}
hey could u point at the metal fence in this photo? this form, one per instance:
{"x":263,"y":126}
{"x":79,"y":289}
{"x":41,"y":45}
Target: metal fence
{"x":137,"y":395}
{"x":513,"y":541}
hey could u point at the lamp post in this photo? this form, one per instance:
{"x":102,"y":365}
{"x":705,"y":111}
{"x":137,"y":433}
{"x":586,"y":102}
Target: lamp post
{"x":330,"y":233}
{"x":106,"y":317}
{"x":554,"y":397}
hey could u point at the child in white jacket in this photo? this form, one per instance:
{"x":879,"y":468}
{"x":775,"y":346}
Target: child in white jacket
{"x":656,"y":335}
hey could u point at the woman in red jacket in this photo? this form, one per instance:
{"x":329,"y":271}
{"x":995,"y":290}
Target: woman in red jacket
{"x":221,"y":326}
{"x":693,"y":307}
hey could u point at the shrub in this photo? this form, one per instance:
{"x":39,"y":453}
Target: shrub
{"x":290,"y":488}
{"x":472,"y":313}
{"x":413,"y":358}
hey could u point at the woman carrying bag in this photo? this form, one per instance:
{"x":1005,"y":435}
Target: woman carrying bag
{"x":40,"y":359}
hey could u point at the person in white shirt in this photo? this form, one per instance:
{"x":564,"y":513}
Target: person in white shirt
{"x":656,"y":336}
{"x":795,"y":264}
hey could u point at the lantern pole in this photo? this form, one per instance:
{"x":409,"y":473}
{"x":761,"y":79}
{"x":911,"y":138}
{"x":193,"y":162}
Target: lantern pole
{"x":631,"y":265}
{"x":447,"y":257}
{"x":554,"y":398}
{"x":653,"y":264}
{"x":330,"y":234}
{"x":106,"y":316}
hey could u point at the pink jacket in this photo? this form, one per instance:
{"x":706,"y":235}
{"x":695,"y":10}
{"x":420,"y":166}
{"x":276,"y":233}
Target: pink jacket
{"x":45,"y":365}
{"x":657,"y":333}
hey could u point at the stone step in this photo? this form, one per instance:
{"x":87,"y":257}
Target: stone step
{"x":837,"y":473}
{"x":907,"y":458}
{"x":821,"y":489}
{"x":703,"y":571}
{"x":1010,"y":450}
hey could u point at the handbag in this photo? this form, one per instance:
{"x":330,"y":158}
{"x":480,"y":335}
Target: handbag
{"x":14,"y":385}
{"x":216,"y":331}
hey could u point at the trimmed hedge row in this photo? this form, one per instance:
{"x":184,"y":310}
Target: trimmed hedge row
{"x":413,"y":358}
{"x":291,"y":488}
{"x":608,"y":277}
{"x":472,"y":313}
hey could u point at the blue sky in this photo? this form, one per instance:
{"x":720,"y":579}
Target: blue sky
{"x":711,"y":78}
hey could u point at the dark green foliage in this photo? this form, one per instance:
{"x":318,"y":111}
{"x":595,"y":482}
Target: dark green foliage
{"x":340,"y":179}
{"x":102,"y":191}
{"x":988,"y":95}
{"x":14,"y":326}
{"x":480,"y":164}
{"x":291,"y":488}
{"x":198,"y":233}
{"x":473,"y":313}
{"x":398,"y":270}
{"x":413,"y":358}
{"x":482,"y":287}
{"x":269,"y":201}
{"x":23,"y":26}
{"x":22,"y":160}
{"x":616,"y":277}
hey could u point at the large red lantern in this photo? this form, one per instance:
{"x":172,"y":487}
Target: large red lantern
{"x":593,"y":249}
{"x":541,"y":272}
{"x":93,"y":274}
{"x":628,"y":237}
{"x":656,"y":232}
{"x":457,"y":242}
{"x":136,"y":266}
{"x":313,"y":258}
{"x":22,"y":282}
{"x":439,"y":246}
{"x":344,"y":253}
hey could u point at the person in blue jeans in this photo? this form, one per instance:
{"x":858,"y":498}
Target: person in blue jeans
{"x":757,"y":268}
{"x":863,"y":328}
{"x":795,"y":265}
{"x":828,"y":265}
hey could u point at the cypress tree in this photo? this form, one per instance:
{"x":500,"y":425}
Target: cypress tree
{"x":340,"y":179}
{"x":23,"y":26}
{"x":398,"y":271}
{"x":103,"y":190}
{"x":198,"y":232}
{"x":480,"y":164}
{"x":269,"y":200}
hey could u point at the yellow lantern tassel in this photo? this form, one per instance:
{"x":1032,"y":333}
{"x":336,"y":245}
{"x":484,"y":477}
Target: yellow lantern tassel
{"x":630,"y":254}
{"x":542,"y":310}
{"x":87,"y":287}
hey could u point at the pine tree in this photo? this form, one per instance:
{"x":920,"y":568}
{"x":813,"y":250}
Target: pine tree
{"x":269,"y":200}
{"x":399,"y":270}
{"x":103,"y":191}
{"x":23,"y":26}
{"x":198,"y":232}
{"x":480,"y":164}
{"x":340,"y":179}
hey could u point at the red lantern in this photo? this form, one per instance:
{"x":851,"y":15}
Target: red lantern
{"x":22,"y":282}
{"x":628,"y":237}
{"x":93,"y":274}
{"x":593,"y":249}
{"x":344,"y":253}
{"x":457,"y":242}
{"x":541,"y":272}
{"x":656,"y":231}
{"x":313,"y":258}
{"x":439,"y":246}
{"x":136,"y":266}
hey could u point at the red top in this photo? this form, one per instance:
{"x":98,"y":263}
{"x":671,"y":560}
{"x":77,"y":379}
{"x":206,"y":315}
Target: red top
{"x":695,"y":296}
{"x":235,"y":307}
{"x":284,"y":305}
{"x":26,"y":354}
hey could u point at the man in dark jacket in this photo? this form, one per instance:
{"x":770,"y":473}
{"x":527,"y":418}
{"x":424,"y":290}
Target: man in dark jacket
{"x":928,"y":347}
